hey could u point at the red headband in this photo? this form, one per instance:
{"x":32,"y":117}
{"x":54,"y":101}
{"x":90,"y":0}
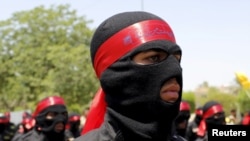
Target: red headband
{"x":129,"y":38}
{"x":198,"y":112}
{"x":74,"y":118}
{"x":95,"y":116}
{"x":4,"y":120}
{"x":52,"y":100}
{"x":211,"y":111}
{"x":184,"y":106}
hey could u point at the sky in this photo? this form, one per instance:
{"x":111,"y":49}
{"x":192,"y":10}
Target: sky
{"x":214,"y":34}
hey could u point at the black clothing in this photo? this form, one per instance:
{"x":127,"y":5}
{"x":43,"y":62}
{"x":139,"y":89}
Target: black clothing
{"x":204,"y":138}
{"x":34,"y":135}
{"x":181,"y":123}
{"x":213,"y":113}
{"x":135,"y":110}
{"x":191,"y":133}
{"x":74,"y":123}
{"x":108,"y":132}
{"x":7,"y":131}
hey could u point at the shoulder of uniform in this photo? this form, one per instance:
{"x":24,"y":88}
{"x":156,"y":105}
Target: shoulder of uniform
{"x":182,"y":139}
{"x":178,"y":138}
{"x":29,"y":134}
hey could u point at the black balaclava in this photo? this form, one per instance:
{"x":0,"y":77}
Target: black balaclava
{"x":74,"y":124}
{"x":4,"y":121}
{"x":213,"y":113}
{"x":47,"y":125}
{"x":56,"y":105}
{"x":198,"y":115}
{"x":181,"y":121}
{"x":182,"y":117}
{"x":219,"y":119}
{"x":2,"y":127}
{"x":132,"y":90}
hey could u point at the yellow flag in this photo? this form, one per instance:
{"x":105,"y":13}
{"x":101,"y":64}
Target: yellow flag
{"x":243,"y":80}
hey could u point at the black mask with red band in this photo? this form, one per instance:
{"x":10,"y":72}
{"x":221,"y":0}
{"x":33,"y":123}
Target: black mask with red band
{"x":213,"y":113}
{"x":132,"y":90}
{"x":181,"y":121}
{"x":47,"y":126}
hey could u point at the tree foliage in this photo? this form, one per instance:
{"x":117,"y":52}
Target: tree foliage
{"x":228,"y":100}
{"x":190,"y":98}
{"x":243,"y":97}
{"x":43,"y":52}
{"x":244,"y":100}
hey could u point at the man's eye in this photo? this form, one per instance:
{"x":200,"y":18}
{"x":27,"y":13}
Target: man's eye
{"x":155,"y":59}
{"x":50,"y":115}
{"x":65,"y":114}
{"x":150,"y":57}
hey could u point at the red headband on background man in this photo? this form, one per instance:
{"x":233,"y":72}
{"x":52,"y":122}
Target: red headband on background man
{"x":5,"y":118}
{"x":49,"y":101}
{"x":184,"y":106}
{"x":210,"y":112}
{"x":74,"y":118}
{"x":198,"y":112}
{"x":115,"y":47}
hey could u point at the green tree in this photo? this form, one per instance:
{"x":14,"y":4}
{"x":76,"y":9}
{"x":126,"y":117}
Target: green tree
{"x":190,"y":98}
{"x":228,"y":100}
{"x":45,"y":51}
{"x":243,"y":96}
{"x":244,"y":100}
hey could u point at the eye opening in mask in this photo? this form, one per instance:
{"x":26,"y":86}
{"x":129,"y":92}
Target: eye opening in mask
{"x":219,"y":115}
{"x":177,"y":55}
{"x":51,"y":115}
{"x":153,"y":56}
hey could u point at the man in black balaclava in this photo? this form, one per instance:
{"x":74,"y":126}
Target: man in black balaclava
{"x":213,"y":114}
{"x":192,"y":128}
{"x":51,"y":117}
{"x":73,"y":125}
{"x":137,"y":61}
{"x":181,"y":122}
{"x":7,"y":128}
{"x":25,"y":126}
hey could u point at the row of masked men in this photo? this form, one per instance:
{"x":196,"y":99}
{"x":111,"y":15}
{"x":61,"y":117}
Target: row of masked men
{"x":210,"y":113}
{"x":49,"y":122}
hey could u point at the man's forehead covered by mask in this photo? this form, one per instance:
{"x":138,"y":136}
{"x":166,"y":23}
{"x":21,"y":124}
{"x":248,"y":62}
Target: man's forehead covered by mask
{"x":50,"y":104}
{"x":118,"y":35}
